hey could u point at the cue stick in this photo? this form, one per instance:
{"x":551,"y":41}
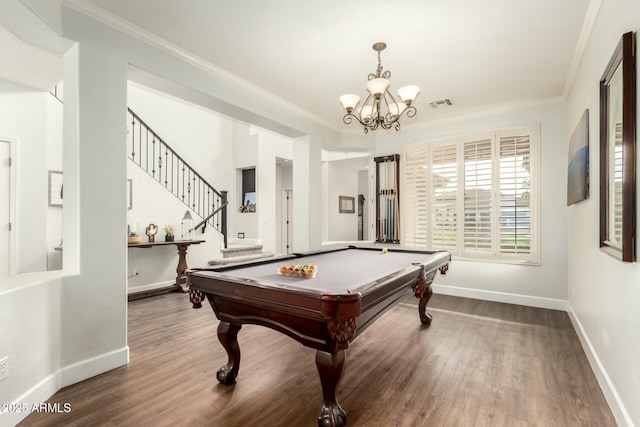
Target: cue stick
{"x":386,"y":201}
{"x":389,"y":195}
{"x":397,"y":198}
{"x":378,"y":207}
{"x":389,"y":202}
{"x":382,"y":208}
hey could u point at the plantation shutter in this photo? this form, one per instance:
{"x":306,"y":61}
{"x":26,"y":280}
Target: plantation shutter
{"x":444,"y":200}
{"x":515,"y":194}
{"x":478,"y":195}
{"x":478,"y":190}
{"x":615,"y":190}
{"x":416,"y":198}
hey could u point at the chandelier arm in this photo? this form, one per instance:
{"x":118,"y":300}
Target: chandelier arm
{"x":349,"y":117}
{"x":410,"y":111}
{"x":393,"y":99}
{"x":373,"y":115}
{"x":388,"y":116}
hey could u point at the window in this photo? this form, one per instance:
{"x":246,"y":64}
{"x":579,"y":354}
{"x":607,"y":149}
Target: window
{"x":474,"y":195}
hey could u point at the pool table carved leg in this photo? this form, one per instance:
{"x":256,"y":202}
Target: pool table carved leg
{"x":228,"y":336}
{"x":330,"y":367}
{"x":425,"y":317}
{"x":422,"y":289}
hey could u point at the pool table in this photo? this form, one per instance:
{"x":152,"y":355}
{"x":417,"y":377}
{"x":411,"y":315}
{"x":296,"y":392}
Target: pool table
{"x":352,"y":287}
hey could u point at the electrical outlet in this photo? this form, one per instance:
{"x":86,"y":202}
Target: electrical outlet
{"x":4,"y":368}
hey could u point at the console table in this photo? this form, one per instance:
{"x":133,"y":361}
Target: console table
{"x":182,"y":257}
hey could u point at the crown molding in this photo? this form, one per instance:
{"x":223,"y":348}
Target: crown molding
{"x":473,"y":114}
{"x":585,"y":34}
{"x":94,"y":12}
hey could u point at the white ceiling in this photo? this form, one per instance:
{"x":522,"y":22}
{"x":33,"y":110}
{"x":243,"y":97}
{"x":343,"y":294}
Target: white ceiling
{"x":28,"y":65}
{"x":481,"y":54}
{"x":487,"y":53}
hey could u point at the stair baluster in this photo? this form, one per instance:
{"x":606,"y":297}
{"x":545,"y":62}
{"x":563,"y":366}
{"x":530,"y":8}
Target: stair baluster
{"x":179,"y":178}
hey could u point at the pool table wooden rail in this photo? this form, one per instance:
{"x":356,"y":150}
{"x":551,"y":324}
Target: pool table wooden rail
{"x":327,"y":322}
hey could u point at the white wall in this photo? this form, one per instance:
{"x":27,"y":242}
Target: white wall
{"x":542,"y":285}
{"x":202,"y":139}
{"x":156,"y":266}
{"x":54,"y":162}
{"x":284,"y":181}
{"x":270,"y":146}
{"x":342,"y":180}
{"x":23,"y":116}
{"x":31,"y":340}
{"x":603,"y":293}
{"x":245,"y":156}
{"x":366,"y":188}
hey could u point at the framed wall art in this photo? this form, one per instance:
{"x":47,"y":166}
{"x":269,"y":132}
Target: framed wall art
{"x":578,"y":168}
{"x":346,"y":204}
{"x":618,"y":152}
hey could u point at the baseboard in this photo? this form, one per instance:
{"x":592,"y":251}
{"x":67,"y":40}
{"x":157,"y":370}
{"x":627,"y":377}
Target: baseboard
{"x":151,"y":287}
{"x":151,"y":293}
{"x":37,"y":394}
{"x":233,"y":240}
{"x":530,"y":301}
{"x":94,"y":366}
{"x":610,"y":394}
{"x":68,"y":375}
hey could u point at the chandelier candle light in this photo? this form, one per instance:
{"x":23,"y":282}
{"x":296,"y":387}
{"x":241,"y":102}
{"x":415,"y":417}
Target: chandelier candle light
{"x":380,"y":108}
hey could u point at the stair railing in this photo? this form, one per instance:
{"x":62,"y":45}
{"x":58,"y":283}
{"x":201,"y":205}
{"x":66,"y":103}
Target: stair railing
{"x":149,"y":152}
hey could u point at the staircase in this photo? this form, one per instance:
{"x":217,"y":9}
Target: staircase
{"x":236,"y":252}
{"x":149,"y":152}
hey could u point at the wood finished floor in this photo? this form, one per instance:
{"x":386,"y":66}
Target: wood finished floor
{"x":479,"y":364}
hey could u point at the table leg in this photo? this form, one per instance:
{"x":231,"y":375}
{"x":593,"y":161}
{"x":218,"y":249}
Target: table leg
{"x":330,"y":367}
{"x":182,"y":265}
{"x":228,"y":336}
{"x":422,"y":289}
{"x":425,"y":317}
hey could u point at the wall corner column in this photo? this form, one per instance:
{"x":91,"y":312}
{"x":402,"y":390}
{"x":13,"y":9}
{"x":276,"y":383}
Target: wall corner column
{"x":94,"y":285}
{"x":307,"y":193}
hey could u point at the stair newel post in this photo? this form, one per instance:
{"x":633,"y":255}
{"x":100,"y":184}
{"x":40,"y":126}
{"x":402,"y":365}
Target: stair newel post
{"x":223,"y":228}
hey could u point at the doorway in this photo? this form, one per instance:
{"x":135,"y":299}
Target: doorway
{"x":287,"y":222}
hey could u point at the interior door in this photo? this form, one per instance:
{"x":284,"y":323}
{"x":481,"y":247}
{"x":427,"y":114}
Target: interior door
{"x":287,"y":222}
{"x":5,"y":208}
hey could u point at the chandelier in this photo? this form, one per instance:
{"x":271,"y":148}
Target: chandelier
{"x":380,"y":108}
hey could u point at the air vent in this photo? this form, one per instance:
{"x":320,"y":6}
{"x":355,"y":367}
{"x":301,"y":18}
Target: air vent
{"x":441,"y":103}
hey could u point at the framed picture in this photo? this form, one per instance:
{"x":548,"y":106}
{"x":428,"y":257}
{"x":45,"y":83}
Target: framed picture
{"x":55,"y":188}
{"x":618,"y":152}
{"x":346,"y":204}
{"x":578,"y":179}
{"x":129,"y":194}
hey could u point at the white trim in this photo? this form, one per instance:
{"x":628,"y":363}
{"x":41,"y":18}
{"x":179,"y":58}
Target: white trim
{"x":459,"y":142}
{"x":37,"y":394}
{"x":93,"y":366}
{"x":120,"y":25}
{"x":585,"y":33}
{"x":64,"y":377}
{"x":528,"y":300}
{"x":606,"y":385}
{"x":481,"y":112}
{"x":150,"y":286}
{"x":13,"y":186}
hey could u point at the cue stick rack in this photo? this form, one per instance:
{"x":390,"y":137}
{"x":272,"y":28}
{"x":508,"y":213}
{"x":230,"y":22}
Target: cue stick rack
{"x":388,"y":198}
